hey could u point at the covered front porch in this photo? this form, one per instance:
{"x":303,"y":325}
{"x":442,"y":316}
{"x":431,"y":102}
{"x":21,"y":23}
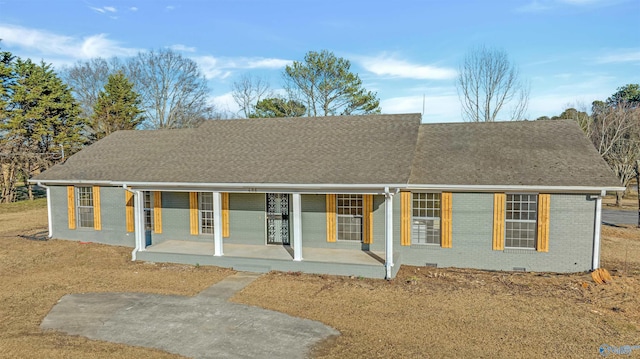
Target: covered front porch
{"x":264,"y":258}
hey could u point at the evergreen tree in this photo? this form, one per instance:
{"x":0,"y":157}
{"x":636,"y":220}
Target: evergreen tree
{"x":39,"y":122}
{"x":117,"y":108}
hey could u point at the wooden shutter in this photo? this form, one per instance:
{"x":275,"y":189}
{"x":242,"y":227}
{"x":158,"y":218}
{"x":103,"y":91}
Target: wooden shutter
{"x":193,"y":213}
{"x":405,"y":218}
{"x":499,"y":200}
{"x":445,"y":225}
{"x":542,"y":244}
{"x":331,"y":217}
{"x":367,"y":219}
{"x":157,"y":212}
{"x":129,"y":214}
{"x":71,"y":206}
{"x":225,"y":214}
{"x":97,"y":224}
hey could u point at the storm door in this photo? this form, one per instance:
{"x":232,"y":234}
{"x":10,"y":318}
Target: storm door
{"x":277,"y":218}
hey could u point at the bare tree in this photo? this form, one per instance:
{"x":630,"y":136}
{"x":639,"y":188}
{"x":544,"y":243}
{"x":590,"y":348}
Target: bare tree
{"x":615,"y":132}
{"x":87,"y":79}
{"x":488,"y":83}
{"x":248,"y":91}
{"x":174,"y":92}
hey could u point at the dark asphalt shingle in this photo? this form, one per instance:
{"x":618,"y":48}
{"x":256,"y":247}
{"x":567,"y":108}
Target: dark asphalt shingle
{"x":373,"y":149}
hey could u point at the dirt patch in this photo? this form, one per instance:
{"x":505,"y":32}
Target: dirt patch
{"x":424,"y":312}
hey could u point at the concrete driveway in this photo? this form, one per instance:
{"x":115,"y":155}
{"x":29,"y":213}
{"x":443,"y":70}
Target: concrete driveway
{"x":204,"y":326}
{"x":619,"y":217}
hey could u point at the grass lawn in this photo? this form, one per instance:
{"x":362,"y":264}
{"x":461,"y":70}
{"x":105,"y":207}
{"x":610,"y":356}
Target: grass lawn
{"x":423,"y":313}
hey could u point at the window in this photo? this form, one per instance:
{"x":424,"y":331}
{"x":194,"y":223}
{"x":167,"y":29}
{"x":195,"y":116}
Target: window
{"x":520,"y":221}
{"x":148,"y":211}
{"x":349,"y":217}
{"x":84,"y":204}
{"x":425,"y":221}
{"x":205,"y":212}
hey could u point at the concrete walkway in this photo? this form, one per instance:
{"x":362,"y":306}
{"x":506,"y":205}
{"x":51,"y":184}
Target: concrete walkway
{"x":204,"y":326}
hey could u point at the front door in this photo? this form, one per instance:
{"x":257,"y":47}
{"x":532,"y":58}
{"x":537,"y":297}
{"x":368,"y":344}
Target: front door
{"x":277,"y":218}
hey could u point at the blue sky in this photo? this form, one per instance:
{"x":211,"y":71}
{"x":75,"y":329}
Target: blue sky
{"x":571,"y":51}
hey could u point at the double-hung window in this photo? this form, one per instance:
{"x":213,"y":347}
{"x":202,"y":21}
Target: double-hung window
{"x":425,"y":221}
{"x":521,"y":221}
{"x":349,"y":211}
{"x":148,"y":211}
{"x":84,"y":206}
{"x":205,"y":212}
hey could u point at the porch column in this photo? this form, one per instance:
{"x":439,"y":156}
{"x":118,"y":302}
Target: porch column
{"x":297,"y":227}
{"x":217,"y":224}
{"x":138,"y":215}
{"x":388,"y":234}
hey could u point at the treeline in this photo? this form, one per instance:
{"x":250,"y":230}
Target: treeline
{"x":46,"y":116}
{"x":614,"y":128}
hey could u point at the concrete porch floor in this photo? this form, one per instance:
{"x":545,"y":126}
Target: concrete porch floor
{"x":277,"y":252}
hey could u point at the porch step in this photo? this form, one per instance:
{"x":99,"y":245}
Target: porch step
{"x":252,"y":268}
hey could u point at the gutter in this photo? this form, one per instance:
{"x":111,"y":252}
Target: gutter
{"x":49,"y":213}
{"x":324,"y":187}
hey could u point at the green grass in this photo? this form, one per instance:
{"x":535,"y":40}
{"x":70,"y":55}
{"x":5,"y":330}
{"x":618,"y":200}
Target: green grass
{"x":22,"y":206}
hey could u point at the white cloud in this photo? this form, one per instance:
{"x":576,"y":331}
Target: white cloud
{"x":214,"y":67}
{"x":182,"y":48}
{"x":387,"y":66}
{"x":624,"y":55}
{"x":225,"y":102}
{"x":104,"y":9}
{"x":50,"y":44}
{"x":436,"y":108}
{"x":170,"y":8}
{"x":133,"y":8}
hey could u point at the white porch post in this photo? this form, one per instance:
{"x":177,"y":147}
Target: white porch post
{"x":596,"y":236}
{"x":388,"y":234}
{"x":49,"y":213}
{"x":217,"y":224}
{"x":139,"y":230}
{"x":297,"y":227}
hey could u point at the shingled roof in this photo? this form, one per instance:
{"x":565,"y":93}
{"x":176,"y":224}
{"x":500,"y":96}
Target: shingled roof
{"x":373,"y":149}
{"x":528,"y":153}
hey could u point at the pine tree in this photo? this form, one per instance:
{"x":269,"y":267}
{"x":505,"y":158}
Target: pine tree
{"x":117,"y":108}
{"x":40,"y":122}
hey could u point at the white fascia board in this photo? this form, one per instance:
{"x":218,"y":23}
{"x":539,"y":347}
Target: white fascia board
{"x":512,"y":188}
{"x":331,"y":187}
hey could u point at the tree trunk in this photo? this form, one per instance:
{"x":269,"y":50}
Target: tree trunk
{"x":638,"y":188}
{"x":30,"y":191}
{"x":619,"y":195}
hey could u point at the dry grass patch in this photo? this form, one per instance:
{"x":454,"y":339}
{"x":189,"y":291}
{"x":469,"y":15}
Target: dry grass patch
{"x":36,"y":274}
{"x":457,"y":313}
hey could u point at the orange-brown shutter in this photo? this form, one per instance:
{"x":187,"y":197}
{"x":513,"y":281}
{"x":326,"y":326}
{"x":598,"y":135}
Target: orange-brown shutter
{"x":367,"y":212}
{"x":97,"y":223}
{"x":225,"y":214}
{"x":193,"y":213}
{"x":499,"y":200}
{"x":157,"y":212}
{"x":445,"y":226}
{"x":405,"y":218}
{"x":331,"y":217}
{"x":71,"y":206}
{"x":543,"y":222}
{"x":129,"y":214}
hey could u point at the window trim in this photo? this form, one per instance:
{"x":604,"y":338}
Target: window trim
{"x":361,"y":216}
{"x":148,"y":211}
{"x":87,"y":190}
{"x":535,"y":222}
{"x":439,"y":218}
{"x":201,"y":212}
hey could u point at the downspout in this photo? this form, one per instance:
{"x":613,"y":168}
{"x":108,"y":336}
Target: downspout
{"x":596,"y":236}
{"x":49,"y":213}
{"x":388,"y":262}
{"x":137,"y":247}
